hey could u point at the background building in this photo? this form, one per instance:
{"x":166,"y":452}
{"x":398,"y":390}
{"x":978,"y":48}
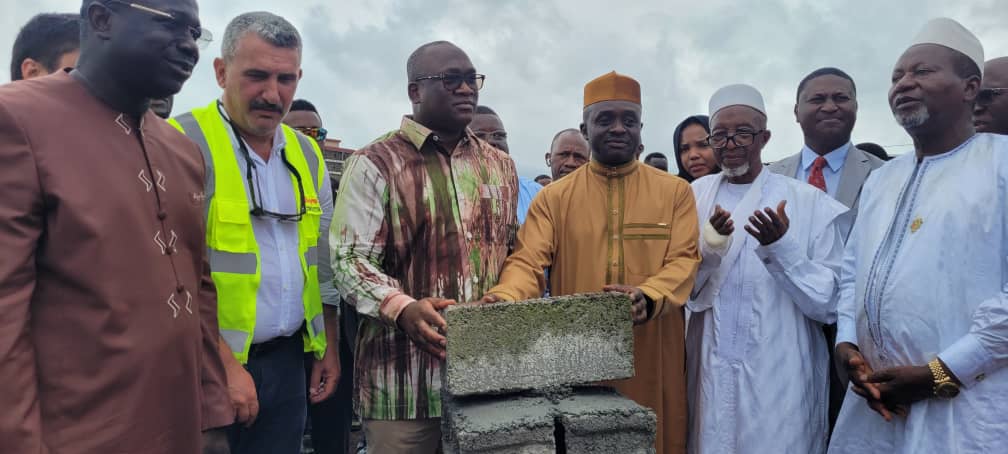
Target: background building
{"x":335,"y":156}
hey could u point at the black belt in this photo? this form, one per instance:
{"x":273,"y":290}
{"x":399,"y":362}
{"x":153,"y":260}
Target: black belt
{"x":264,"y":348}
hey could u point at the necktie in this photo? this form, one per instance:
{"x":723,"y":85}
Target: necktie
{"x":815,"y":177}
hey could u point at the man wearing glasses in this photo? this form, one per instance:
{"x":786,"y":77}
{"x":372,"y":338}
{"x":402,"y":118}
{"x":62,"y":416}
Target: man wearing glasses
{"x":303,"y":117}
{"x":757,"y":358}
{"x":108,"y":319}
{"x":425,"y":217}
{"x":268,"y":205}
{"x":990,"y":111}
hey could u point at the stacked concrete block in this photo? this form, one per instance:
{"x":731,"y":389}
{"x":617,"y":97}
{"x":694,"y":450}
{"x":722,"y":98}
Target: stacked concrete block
{"x":585,"y":421}
{"x":603,"y":422}
{"x":540,"y":343}
{"x":520,"y":425}
{"x":512,"y":371}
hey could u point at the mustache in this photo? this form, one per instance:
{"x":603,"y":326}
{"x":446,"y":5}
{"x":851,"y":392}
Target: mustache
{"x":266,"y":105}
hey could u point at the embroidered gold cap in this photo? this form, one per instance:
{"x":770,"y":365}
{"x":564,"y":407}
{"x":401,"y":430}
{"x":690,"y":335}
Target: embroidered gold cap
{"x":612,"y":87}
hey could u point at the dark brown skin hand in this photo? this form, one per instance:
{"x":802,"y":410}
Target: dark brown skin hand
{"x":853,"y":365}
{"x":490,"y":298}
{"x":903,"y":385}
{"x":424,"y":325}
{"x":721,"y":221}
{"x":768,"y":226}
{"x":638,"y":307}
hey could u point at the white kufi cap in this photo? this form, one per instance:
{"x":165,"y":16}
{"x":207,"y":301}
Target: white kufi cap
{"x":951,"y":34}
{"x":736,"y":95}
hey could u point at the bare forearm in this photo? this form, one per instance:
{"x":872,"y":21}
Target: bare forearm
{"x":226,"y":355}
{"x":332,"y":327}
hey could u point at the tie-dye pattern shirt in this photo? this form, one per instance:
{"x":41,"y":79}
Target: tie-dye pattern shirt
{"x":413,"y":220}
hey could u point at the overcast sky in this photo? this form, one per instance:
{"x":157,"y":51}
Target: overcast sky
{"x":538,"y":54}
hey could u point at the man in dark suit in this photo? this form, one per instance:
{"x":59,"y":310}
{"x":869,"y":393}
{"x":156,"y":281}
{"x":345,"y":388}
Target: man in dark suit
{"x":826,"y":109}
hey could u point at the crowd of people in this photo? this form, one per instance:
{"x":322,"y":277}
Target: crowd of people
{"x":200,"y":283}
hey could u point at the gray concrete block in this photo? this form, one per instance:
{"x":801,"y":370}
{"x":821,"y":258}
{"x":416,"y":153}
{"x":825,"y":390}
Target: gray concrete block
{"x":533,"y":344}
{"x":498,"y":425}
{"x":603,"y":422}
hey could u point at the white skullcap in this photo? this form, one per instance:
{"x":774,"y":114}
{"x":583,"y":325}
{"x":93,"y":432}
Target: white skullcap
{"x":951,"y":34}
{"x":736,"y":95}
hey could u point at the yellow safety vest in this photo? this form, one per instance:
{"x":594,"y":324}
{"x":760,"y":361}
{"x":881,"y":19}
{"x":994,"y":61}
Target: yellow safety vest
{"x":234,"y":254}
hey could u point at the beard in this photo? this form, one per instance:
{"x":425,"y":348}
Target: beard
{"x":913,"y":119}
{"x":735,"y":172}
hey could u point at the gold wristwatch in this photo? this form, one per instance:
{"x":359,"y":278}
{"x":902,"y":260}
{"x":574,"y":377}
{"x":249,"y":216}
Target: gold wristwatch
{"x":944,"y":386}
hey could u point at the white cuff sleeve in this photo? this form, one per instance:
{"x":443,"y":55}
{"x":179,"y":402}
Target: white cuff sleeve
{"x":782,"y":254}
{"x":845,"y":333}
{"x":967,"y":359}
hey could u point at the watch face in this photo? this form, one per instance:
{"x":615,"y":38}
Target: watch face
{"x":947,"y":390}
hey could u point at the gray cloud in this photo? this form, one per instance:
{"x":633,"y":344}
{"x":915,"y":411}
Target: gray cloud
{"x":537,"y":55}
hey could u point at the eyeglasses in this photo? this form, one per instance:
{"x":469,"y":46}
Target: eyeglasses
{"x":453,"y":82}
{"x":986,"y":96}
{"x":257,"y":209}
{"x":201,"y":35}
{"x":317,"y":133}
{"x":740,"y":138}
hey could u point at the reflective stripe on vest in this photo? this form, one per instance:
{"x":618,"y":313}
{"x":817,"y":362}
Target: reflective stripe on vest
{"x":311,"y":255}
{"x":235,"y":339}
{"x":232,"y":262}
{"x":188,"y":125}
{"x":312,"y":159}
{"x":232,"y":249}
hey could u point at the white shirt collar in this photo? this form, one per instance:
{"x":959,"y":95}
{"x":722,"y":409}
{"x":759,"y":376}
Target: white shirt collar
{"x":834,"y":159}
{"x":279,"y":138}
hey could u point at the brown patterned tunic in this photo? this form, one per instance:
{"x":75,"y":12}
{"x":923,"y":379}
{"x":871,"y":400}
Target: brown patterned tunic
{"x":414,"y":221}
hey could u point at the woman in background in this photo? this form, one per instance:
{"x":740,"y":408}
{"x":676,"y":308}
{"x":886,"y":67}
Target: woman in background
{"x":694,"y":155}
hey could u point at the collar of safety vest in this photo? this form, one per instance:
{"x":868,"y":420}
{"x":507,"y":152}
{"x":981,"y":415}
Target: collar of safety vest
{"x":613,"y":172}
{"x":279,"y":139}
{"x":418,"y":134}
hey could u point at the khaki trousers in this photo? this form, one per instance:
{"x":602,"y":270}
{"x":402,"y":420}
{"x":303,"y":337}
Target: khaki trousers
{"x":410,"y":436}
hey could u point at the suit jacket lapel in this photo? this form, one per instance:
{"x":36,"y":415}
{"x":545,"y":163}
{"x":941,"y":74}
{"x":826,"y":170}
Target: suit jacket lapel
{"x":855,"y":170}
{"x":789,"y":166}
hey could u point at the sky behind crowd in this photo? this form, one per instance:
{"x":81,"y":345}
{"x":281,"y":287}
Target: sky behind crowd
{"x":538,"y":54}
